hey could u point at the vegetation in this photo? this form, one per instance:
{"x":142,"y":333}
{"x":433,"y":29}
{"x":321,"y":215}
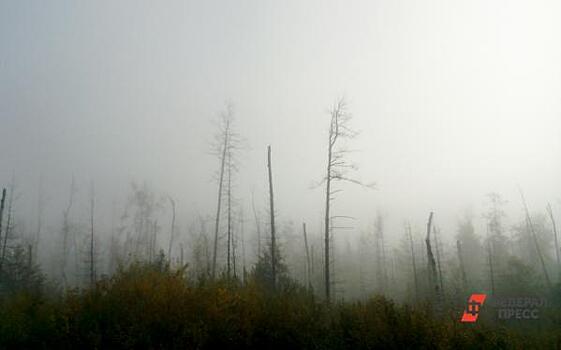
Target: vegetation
{"x":154,"y":306}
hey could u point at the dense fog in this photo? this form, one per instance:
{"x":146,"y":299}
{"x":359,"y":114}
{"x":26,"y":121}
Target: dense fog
{"x":124,"y":103}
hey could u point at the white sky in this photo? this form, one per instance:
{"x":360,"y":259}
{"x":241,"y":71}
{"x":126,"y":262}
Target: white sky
{"x":453,"y":99}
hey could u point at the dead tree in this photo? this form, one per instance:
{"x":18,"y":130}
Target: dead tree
{"x":66,"y":233}
{"x":223,"y":138}
{"x":337,"y":168}
{"x":230,"y":228}
{"x":535,"y":238}
{"x":242,"y":238}
{"x":436,"y":243}
{"x":40,"y":208}
{"x":413,"y":263}
{"x":8,"y":228}
{"x":92,"y":258}
{"x":2,"y":205}
{"x":272,"y":216}
{"x":551,"y":217}
{"x":172,"y":231}
{"x":308,"y":264}
{"x":432,"y":274}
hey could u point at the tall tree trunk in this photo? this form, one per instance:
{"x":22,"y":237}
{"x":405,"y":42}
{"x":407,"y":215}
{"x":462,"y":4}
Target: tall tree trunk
{"x":171,"y":235}
{"x":436,"y":243}
{"x":243,"y":245}
{"x":272,"y":213}
{"x":327,"y":232}
{"x":218,"y":207}
{"x":308,"y":265}
{"x":8,"y":228}
{"x":92,"y":261}
{"x":433,"y":278}
{"x":65,"y":234}
{"x":2,"y":204}
{"x":229,"y":229}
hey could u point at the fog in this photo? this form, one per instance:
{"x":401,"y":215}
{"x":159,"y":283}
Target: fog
{"x":452,"y":100}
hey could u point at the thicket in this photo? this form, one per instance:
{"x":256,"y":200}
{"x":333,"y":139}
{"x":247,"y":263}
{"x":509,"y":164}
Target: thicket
{"x":150,"y":306}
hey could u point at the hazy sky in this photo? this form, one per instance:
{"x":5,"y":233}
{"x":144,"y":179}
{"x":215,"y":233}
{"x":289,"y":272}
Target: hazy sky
{"x":453,"y":99}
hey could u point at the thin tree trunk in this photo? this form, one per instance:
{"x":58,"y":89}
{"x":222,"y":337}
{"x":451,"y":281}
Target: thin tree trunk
{"x":2,"y":204}
{"x":230,"y":238}
{"x":218,"y":207}
{"x":92,"y":262}
{"x":327,"y":232}
{"x":171,"y":235}
{"x":243,"y":245}
{"x":433,"y":278}
{"x":308,"y":271}
{"x":272,"y":213}
{"x":8,"y":228}
{"x":312,"y":271}
{"x":65,"y":233}
{"x":435,"y":231}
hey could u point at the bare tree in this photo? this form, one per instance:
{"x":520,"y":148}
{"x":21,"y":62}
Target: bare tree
{"x":308,"y":263}
{"x":244,"y":270}
{"x":337,"y":170}
{"x":2,"y":205}
{"x":172,"y":231}
{"x":437,"y":246}
{"x":227,"y":143}
{"x":66,"y":233}
{"x":433,"y":277}
{"x":272,"y":215}
{"x":92,"y":255}
{"x":40,"y":208}
{"x":223,"y":138}
{"x":7,"y":230}
{"x":229,"y":209}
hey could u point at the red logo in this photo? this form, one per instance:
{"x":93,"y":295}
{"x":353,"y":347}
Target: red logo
{"x":474,"y":304}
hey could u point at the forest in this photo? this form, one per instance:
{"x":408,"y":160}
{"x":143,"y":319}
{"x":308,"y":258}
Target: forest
{"x":260,"y":174}
{"x":261,"y":283}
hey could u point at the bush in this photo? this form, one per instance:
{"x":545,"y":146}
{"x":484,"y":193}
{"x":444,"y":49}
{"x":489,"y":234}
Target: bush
{"x":149,"y":306}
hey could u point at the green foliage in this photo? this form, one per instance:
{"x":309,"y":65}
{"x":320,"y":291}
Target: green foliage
{"x":153,"y":306}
